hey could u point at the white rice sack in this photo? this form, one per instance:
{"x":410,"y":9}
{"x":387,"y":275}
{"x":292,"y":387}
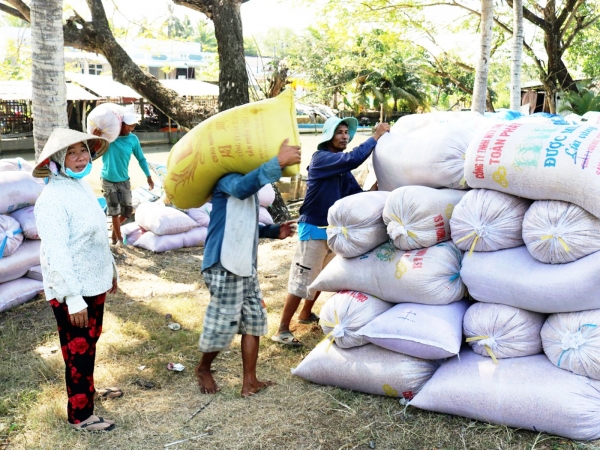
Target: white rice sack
{"x":526,"y":392}
{"x":131,"y":232}
{"x":414,"y":122}
{"x":15,"y":164}
{"x":419,"y":216}
{"x":16,"y":265}
{"x":166,"y":242}
{"x":430,"y":275}
{"x":26,"y":219}
{"x":196,"y":237}
{"x":355,"y":224}
{"x":486,"y":221}
{"x":558,"y":232}
{"x":266,"y":195}
{"x":503,"y":331}
{"x":369,"y":369}
{"x":592,"y":117}
{"x":107,"y":118}
{"x":422,"y":331}
{"x":35,"y":273}
{"x":11,"y":236}
{"x":540,"y":162}
{"x":264,"y":217}
{"x":433,"y":157}
{"x":17,"y":292}
{"x":161,"y":219}
{"x":346,"y":312}
{"x":201,"y":215}
{"x":572,"y":342}
{"x":513,"y":277}
{"x":18,"y":189}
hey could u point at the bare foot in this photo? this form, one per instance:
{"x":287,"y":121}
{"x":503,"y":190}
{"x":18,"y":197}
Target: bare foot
{"x":206,"y":381}
{"x":255,"y":387}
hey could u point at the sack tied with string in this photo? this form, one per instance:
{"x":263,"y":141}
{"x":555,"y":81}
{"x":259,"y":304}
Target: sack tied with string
{"x":557,"y":232}
{"x":486,"y":221}
{"x":419,"y":216}
{"x":355,"y":224}
{"x":502,"y":331}
{"x":572,"y":342}
{"x":345,"y":313}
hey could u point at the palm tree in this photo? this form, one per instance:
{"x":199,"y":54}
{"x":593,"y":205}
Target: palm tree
{"x":580,"y":103}
{"x":483,"y":64}
{"x":48,"y":71}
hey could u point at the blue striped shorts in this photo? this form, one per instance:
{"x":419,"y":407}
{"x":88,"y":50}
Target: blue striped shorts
{"x":236,"y":307}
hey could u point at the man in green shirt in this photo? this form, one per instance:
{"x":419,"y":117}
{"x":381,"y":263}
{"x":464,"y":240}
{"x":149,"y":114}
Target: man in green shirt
{"x":115,"y":174}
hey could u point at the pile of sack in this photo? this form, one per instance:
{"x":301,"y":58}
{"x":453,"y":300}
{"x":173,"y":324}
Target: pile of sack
{"x":160,"y":228}
{"x":518,"y":228}
{"x":20,"y":271}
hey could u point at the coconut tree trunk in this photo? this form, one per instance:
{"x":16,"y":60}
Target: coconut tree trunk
{"x":481,"y":73}
{"x":48,"y":71}
{"x":517,"y":56}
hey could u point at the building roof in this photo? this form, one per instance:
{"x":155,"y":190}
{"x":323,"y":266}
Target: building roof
{"x":102,"y":86}
{"x":22,"y":90}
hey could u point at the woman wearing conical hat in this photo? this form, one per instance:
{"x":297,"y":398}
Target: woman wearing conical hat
{"x":77,"y":265}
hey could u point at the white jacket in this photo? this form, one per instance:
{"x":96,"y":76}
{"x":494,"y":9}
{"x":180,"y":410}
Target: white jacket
{"x":75,"y":255}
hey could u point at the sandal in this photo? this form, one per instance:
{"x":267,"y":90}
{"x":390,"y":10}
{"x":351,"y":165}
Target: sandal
{"x":93,"y":426}
{"x":313,"y":318}
{"x":108,"y":393}
{"x":286,"y":338}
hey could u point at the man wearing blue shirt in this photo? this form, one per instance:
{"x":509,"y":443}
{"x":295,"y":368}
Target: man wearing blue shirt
{"x":115,"y":174}
{"x":329,"y":179}
{"x":229,"y":269}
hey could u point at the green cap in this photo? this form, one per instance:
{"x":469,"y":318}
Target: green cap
{"x":331,"y":125}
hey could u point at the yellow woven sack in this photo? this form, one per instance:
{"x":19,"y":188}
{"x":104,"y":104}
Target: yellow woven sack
{"x":237,"y":140}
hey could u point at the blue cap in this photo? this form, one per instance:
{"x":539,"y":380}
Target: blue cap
{"x":331,"y":125}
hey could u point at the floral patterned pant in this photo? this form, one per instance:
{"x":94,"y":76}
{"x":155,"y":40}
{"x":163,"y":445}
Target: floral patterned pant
{"x":78,"y":347}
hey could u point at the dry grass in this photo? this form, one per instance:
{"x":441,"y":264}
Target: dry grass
{"x":292,"y":415}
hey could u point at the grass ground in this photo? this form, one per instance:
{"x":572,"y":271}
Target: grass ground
{"x":294,"y":414}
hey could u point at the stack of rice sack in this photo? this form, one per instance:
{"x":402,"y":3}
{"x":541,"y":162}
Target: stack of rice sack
{"x":400,"y":300}
{"x":20,"y":274}
{"x":160,"y":228}
{"x":532,"y":234}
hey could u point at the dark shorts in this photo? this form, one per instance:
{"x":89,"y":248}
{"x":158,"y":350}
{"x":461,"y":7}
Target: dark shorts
{"x":118,"y":197}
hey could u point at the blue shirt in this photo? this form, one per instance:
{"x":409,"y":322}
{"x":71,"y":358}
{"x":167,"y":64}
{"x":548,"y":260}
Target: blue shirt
{"x":329,"y":179}
{"x":240,"y":186}
{"x":307,"y":232}
{"x":116,"y":160}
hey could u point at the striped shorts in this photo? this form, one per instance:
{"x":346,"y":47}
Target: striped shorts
{"x":236,"y":307}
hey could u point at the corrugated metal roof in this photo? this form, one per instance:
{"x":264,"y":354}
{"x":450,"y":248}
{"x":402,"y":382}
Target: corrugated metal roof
{"x":22,"y":90}
{"x":103,"y":86}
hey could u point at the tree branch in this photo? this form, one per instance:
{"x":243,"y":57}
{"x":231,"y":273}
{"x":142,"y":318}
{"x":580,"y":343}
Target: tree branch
{"x":22,"y":8}
{"x":12,"y":11}
{"x":538,"y":21}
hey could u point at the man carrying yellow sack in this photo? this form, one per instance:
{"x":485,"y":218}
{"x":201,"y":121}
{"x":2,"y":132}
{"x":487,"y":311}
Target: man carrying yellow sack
{"x":229,"y":269}
{"x":329,"y":179}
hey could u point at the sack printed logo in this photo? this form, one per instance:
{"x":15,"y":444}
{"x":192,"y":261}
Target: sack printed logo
{"x":499,"y":176}
{"x":385,"y":252}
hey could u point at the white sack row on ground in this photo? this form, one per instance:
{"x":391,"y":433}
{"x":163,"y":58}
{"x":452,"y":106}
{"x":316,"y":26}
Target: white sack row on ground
{"x":429,"y":276}
{"x":529,"y":393}
{"x":19,"y":291}
{"x":419,"y":217}
{"x":368,"y":368}
{"x":355,"y":224}
{"x":487,"y":220}
{"x":433,"y":157}
{"x":540,"y":162}
{"x":513,"y":277}
{"x":26,"y":219}
{"x":163,"y":243}
{"x":11,"y":236}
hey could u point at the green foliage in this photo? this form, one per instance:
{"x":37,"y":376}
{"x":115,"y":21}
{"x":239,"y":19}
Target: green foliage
{"x":580,"y":102}
{"x":16,"y":65}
